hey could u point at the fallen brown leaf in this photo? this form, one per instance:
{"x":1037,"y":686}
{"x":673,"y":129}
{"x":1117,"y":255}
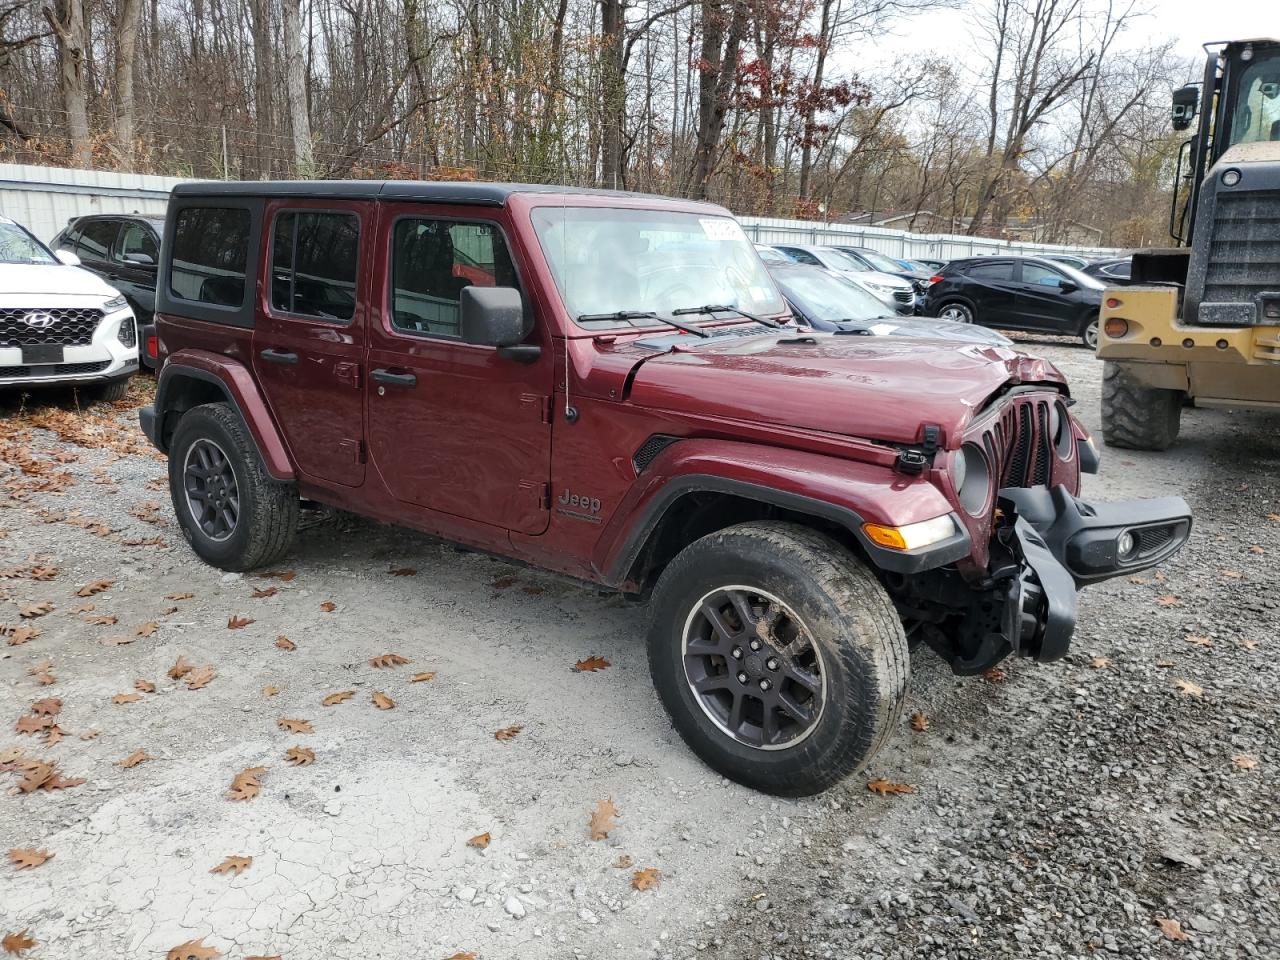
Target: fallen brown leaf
{"x":623,"y":862}
{"x":284,"y":576}
{"x":1256,"y":549}
{"x":15,"y":943}
{"x":263,"y":592}
{"x":884,"y":787}
{"x":33,"y":610}
{"x":382,"y":701}
{"x":270,"y":691}
{"x":1189,"y":688}
{"x":27,"y":858}
{"x":122,"y":698}
{"x":1199,"y":641}
{"x":102,"y":620}
{"x":180,"y":668}
{"x":404,"y":572}
{"x":48,"y":707}
{"x":135,"y":758}
{"x":192,"y":950}
{"x":1169,"y":600}
{"x":95,"y":587}
{"x":200,"y":677}
{"x":147,"y":629}
{"x":388,"y":660}
{"x":284,"y":643}
{"x":1232,"y":574}
{"x":20,"y":635}
{"x":30,"y":723}
{"x":602,"y":819}
{"x":236,"y":622}
{"x":46,"y":678}
{"x":295,"y":726}
{"x":1100,"y":663}
{"x":508,"y":733}
{"x":480,"y":841}
{"x":994,"y":675}
{"x":1172,"y":929}
{"x":118,"y":640}
{"x":333,"y":699}
{"x":503,"y":582}
{"x":144,"y":686}
{"x":328,"y":606}
{"x":1249,"y":644}
{"x":245,"y":785}
{"x":419,"y":677}
{"x":645,"y":879}
{"x":300,"y":756}
{"x":236,"y":865}
{"x":90,"y":734}
{"x":591,"y":664}
{"x":1245,"y":761}
{"x":919,"y":722}
{"x":461,"y":955}
{"x":179,"y":596}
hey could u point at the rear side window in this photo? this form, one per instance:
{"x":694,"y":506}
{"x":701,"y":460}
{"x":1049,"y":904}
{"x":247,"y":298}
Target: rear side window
{"x":96,"y":238}
{"x":801,"y":256}
{"x":991,"y":271}
{"x":314,"y":257}
{"x":431,"y":262}
{"x":136,"y":239}
{"x":210,"y":254}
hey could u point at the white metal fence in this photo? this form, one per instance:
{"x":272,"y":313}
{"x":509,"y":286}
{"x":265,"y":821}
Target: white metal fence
{"x":43,"y":199}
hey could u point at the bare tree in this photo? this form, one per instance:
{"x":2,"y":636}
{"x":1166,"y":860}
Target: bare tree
{"x":296,"y":86}
{"x":69,"y":21}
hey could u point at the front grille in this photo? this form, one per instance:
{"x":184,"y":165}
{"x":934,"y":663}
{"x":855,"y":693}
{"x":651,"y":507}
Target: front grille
{"x":31,"y":326}
{"x":1243,"y":256}
{"x":1019,"y":444}
{"x":56,"y":369}
{"x":904,"y":296}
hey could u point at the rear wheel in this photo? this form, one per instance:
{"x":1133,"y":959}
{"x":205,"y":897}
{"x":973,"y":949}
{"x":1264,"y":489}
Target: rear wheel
{"x":234,"y":515}
{"x":1089,"y":332}
{"x":779,"y":657}
{"x":108,"y":392}
{"x":956,"y":313}
{"x":1137,"y":416}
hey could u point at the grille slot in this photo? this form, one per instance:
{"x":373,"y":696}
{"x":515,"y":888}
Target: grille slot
{"x":69,"y":327}
{"x":58,"y":369}
{"x":1243,"y":256}
{"x":1019,"y":445}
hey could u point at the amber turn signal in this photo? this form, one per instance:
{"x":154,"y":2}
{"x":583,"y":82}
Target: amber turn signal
{"x":1115,"y":327}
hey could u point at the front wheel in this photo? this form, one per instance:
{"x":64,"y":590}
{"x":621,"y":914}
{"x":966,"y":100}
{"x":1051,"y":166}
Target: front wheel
{"x":956,"y":313}
{"x":234,"y":515}
{"x":778,"y":656}
{"x":1089,"y":333}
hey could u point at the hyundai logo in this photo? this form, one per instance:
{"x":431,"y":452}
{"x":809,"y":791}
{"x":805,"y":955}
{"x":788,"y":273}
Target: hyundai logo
{"x":39,"y":320}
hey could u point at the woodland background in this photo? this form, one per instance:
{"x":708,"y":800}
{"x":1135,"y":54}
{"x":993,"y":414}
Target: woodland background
{"x":1049,"y":112}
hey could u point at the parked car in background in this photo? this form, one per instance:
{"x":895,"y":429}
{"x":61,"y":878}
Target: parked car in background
{"x":1112,"y":272}
{"x":59,"y":324}
{"x":875,"y":260}
{"x":892,"y":290}
{"x":1070,"y":259}
{"x":124,"y":250}
{"x":931,"y":264}
{"x":834,"y":303}
{"x":1018,"y":293}
{"x":769,"y":255}
{"x":917,"y":266}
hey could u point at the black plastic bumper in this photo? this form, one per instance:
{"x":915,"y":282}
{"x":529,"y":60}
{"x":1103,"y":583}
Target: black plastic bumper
{"x":147,"y":420}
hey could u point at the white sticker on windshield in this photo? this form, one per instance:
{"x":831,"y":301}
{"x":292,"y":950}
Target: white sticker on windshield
{"x":721,"y":228}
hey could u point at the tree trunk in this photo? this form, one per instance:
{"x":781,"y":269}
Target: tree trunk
{"x":262,"y":85}
{"x":806,"y":126}
{"x":70,"y":23}
{"x":296,"y":83}
{"x":717,"y":70}
{"x":613,"y":85}
{"x":128,"y":20}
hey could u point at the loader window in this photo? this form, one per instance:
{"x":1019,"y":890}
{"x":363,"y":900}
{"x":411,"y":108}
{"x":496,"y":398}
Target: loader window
{"x":1257,"y":112}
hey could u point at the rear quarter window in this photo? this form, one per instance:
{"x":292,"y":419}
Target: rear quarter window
{"x":209,"y":255}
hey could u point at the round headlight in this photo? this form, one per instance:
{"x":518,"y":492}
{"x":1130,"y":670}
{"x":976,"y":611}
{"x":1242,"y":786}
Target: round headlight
{"x":1124,"y":545}
{"x":973,"y":479}
{"x":1231,"y":177}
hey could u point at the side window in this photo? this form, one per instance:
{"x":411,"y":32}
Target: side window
{"x":1001,"y":270}
{"x":801,"y":256}
{"x":314,"y":258}
{"x":210,"y":254}
{"x":1121,"y":270}
{"x":96,"y":239}
{"x":137,"y":239}
{"x":69,"y":237}
{"x":1038,"y":276}
{"x":432,"y":260}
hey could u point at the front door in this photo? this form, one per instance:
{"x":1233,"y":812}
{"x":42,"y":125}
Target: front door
{"x":134,"y":263}
{"x":1041,"y":302}
{"x":309,"y":335}
{"x":453,"y":427}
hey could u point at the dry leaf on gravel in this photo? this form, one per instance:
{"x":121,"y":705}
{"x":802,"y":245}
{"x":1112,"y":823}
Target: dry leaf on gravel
{"x":27,"y":858}
{"x":192,"y":950}
{"x":135,"y":758}
{"x":270,"y":691}
{"x":388,"y":660}
{"x":90,"y":734}
{"x":1199,"y":641}
{"x":258,"y":956}
{"x":333,"y":699}
{"x":145,"y":686}
{"x":122,"y":698}
{"x":1169,"y":600}
{"x":48,"y":707}
{"x":95,"y":587}
{"x":1245,"y":761}
{"x":102,"y":620}
{"x":147,"y":629}
{"x":480,"y":841}
{"x":118,"y":640}
{"x":20,"y":635}
{"x":591,"y":664}
{"x":33,"y":610}
{"x":624,"y":862}
{"x":1233,"y":574}
{"x":1249,"y":644}
{"x":507,"y":733}
{"x":419,"y":677}
{"x":328,"y":606}
{"x":84,"y":608}
{"x":382,"y":701}
{"x":180,"y":668}
{"x":1256,"y":549}
{"x":300,"y":756}
{"x":994,"y":675}
{"x":295,"y":726}
{"x":885,"y":787}
{"x":462,"y":955}
{"x":15,"y":943}
{"x":46,"y":678}
{"x":263,"y":592}
{"x":236,"y":622}
{"x":602,"y":819}
{"x":1189,"y":688}
{"x":284,"y":643}
{"x":1100,"y":663}
{"x":284,"y":576}
{"x":236,"y":865}
{"x":200,"y":677}
{"x":919,"y":722}
{"x":645,"y":879}
{"x":30,"y":723}
{"x":1172,"y":929}
{"x":245,"y":785}
{"x":179,"y":596}
{"x":403,"y":572}
{"x":503,"y":582}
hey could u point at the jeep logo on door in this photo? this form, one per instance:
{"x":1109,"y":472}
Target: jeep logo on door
{"x":579,"y":506}
{"x":39,"y":320}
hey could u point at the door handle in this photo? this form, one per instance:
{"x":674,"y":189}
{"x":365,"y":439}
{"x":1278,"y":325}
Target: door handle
{"x":382,"y":375}
{"x":273,"y":355}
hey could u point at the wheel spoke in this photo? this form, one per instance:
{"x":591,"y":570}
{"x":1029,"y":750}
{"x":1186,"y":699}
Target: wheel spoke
{"x":810,"y":681}
{"x":719,"y":626}
{"x":769,"y":727}
{"x":801,"y":713}
{"x":735,"y":712}
{"x":715,"y":681}
{"x":745,"y":614}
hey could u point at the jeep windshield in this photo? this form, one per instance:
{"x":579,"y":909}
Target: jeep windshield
{"x":18,"y":246}
{"x":622,"y":267}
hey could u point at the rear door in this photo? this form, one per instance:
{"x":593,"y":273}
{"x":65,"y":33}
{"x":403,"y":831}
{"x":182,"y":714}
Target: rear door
{"x":454,"y":427}
{"x":993,"y":290}
{"x":1041,"y":302}
{"x":95,"y":243}
{"x":310,"y":334}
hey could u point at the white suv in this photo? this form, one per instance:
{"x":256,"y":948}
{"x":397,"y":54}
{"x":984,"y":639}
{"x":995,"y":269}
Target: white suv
{"x":60,"y":324}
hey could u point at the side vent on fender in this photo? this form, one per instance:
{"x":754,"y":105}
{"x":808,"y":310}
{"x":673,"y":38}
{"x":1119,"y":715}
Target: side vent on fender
{"x":649,"y":450}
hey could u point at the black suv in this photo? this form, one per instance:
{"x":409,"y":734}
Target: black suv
{"x":123,"y":249}
{"x":1018,"y":293}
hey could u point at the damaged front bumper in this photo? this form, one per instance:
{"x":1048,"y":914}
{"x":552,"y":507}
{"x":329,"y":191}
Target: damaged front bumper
{"x":1047,"y":544}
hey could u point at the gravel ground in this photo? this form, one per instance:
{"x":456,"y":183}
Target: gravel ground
{"x":1060,"y":811}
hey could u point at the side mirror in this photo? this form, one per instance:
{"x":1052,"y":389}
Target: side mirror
{"x":1186,"y":100}
{"x":1066,"y":286}
{"x":67,"y":257}
{"x":140,"y":259}
{"x":494,"y":317}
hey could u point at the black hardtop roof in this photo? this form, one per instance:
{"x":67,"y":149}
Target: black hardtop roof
{"x":437,"y":191}
{"x":153,"y":217}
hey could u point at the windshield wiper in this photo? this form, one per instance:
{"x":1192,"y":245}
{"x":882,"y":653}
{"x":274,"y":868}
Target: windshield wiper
{"x":624,"y":315}
{"x":723,"y":308}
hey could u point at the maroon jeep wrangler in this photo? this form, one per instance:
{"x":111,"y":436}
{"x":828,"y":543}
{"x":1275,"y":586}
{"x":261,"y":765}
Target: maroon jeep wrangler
{"x":611,"y":387}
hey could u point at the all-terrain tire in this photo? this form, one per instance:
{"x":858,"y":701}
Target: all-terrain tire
{"x":1136,"y":416}
{"x":850,"y":620}
{"x":268,"y":509}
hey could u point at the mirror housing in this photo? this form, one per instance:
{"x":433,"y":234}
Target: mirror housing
{"x":139,"y":259}
{"x":1066,"y":286}
{"x":67,"y":258}
{"x":1186,"y":100}
{"x":492,"y":316}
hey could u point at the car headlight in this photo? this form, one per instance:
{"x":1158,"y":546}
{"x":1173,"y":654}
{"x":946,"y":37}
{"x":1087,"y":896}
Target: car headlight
{"x":114,"y":304}
{"x":912,"y":535}
{"x":972,"y":478}
{"x":879,"y":287}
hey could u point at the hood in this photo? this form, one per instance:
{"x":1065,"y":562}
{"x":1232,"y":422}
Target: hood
{"x":51,"y":279}
{"x":884,"y":279}
{"x":879,"y":388}
{"x":928,"y":327}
